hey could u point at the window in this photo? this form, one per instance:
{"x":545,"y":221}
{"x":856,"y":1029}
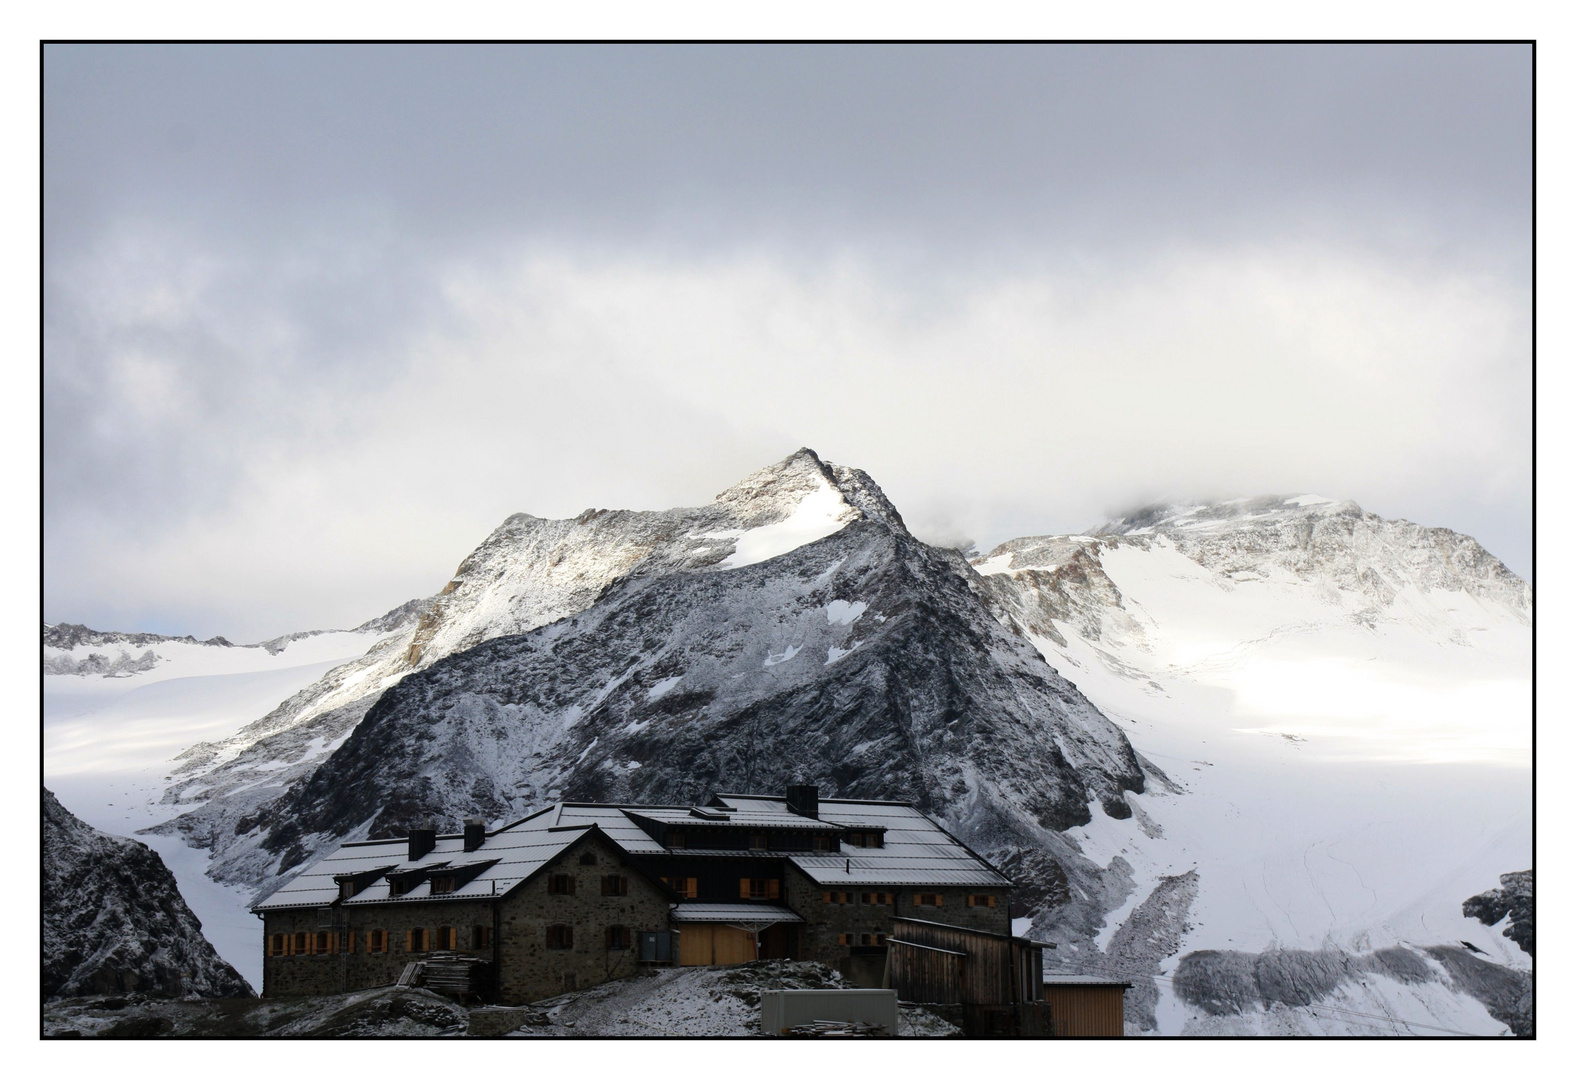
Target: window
{"x":377,"y":941}
{"x":441,"y":885}
{"x":588,"y":859}
{"x":560,"y":937}
{"x":322,"y":942}
{"x":676,"y":838}
{"x":398,"y":886}
{"x":863,"y":839}
{"x":878,"y":898}
{"x":758,"y":888}
{"x":446,"y":938}
{"x":298,"y":946}
{"x":684,"y":886}
{"x":837,"y":898}
{"x":347,"y":889}
{"x":615,"y":885}
{"x":757,"y":841}
{"x":618,"y":937}
{"x":977,"y":900}
{"x":481,"y":937}
{"x":845,"y":939}
{"x":927,"y":899}
{"x":277,"y":944}
{"x":560,"y":884}
{"x":416,"y":940}
{"x":872,"y":939}
{"x":825,"y":843}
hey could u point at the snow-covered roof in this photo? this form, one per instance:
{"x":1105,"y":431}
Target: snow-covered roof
{"x":1084,"y":980}
{"x":732,"y":913}
{"x":515,"y":853}
{"x":744,"y":819}
{"x":916,"y":850}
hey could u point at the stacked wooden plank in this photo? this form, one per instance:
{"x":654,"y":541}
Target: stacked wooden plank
{"x":455,"y":975}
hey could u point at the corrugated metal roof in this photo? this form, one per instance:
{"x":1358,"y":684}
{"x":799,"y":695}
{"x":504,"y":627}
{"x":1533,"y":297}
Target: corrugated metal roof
{"x":732,"y":913}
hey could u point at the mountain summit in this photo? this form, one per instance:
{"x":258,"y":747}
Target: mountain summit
{"x":793,"y":628}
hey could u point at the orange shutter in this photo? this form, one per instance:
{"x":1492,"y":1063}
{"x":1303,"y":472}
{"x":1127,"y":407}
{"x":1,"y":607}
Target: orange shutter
{"x":772,"y":889}
{"x":744,"y":888}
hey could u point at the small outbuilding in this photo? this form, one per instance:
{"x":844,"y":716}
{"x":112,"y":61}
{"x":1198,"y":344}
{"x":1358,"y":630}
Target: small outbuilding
{"x":1085,"y":1006}
{"x":992,"y":980}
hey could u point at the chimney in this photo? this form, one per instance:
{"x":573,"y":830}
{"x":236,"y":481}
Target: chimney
{"x":804,"y":800}
{"x":422,"y":840}
{"x":475,"y":833}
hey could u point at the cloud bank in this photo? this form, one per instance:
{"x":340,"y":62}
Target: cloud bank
{"x":318,"y":319}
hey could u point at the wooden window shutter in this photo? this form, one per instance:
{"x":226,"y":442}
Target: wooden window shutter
{"x":772,"y":889}
{"x":744,"y":888}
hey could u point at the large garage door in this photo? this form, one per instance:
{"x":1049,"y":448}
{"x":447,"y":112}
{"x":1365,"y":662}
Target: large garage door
{"x":705,"y":944}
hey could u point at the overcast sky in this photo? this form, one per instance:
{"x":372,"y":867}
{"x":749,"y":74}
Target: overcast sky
{"x":318,"y":318}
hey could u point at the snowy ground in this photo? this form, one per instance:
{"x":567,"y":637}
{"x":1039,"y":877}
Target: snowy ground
{"x":108,"y":745}
{"x":697,"y":1001}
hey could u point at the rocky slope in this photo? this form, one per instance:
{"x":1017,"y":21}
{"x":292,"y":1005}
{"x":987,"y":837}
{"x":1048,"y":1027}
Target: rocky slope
{"x":1511,"y":903}
{"x":862,"y":660}
{"x":114,"y":921}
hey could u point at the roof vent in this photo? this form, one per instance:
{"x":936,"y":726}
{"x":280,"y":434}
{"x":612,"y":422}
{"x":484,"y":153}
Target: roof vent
{"x":475,"y":833}
{"x":422,"y":840}
{"x":804,"y":800}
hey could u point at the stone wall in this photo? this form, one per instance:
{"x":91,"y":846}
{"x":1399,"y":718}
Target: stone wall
{"x":358,"y":969}
{"x":532,"y":971}
{"x":529,"y":970}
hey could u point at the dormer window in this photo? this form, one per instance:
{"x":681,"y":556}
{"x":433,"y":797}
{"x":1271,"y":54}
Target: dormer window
{"x":442,"y":885}
{"x":757,"y":841}
{"x":825,"y":843}
{"x":676,"y":838}
{"x":347,"y":889}
{"x":863,"y":839}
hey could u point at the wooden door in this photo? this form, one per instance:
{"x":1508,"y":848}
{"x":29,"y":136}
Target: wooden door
{"x":730,"y":945}
{"x":695,"y":945}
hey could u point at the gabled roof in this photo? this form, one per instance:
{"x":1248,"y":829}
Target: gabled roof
{"x":916,"y":851}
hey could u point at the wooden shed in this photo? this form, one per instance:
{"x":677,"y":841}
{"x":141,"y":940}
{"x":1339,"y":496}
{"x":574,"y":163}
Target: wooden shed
{"x":1085,"y":1006}
{"x":995,"y":978}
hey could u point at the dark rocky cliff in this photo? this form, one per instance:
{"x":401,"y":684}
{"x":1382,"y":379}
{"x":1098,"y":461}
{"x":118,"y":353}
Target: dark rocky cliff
{"x":114,"y":921}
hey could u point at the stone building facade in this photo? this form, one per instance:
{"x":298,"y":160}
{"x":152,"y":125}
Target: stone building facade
{"x":579,"y":894}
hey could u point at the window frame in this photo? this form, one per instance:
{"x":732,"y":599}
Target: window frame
{"x":560,"y":937}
